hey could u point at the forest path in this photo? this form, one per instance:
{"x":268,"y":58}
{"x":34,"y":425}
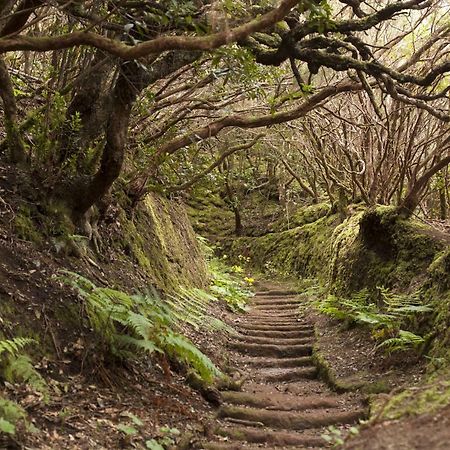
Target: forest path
{"x":282,"y":404}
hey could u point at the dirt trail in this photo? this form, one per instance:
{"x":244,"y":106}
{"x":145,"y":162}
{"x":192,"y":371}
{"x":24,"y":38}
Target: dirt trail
{"x":282,"y":404}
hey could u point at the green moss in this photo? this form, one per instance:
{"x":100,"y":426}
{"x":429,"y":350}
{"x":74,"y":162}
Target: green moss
{"x":415,"y":401}
{"x":302,"y":251}
{"x":160,"y":239}
{"x":25,"y":226}
{"x":303,"y":216}
{"x":439,"y":270}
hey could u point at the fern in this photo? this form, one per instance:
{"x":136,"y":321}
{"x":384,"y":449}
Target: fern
{"x":13,"y":347}
{"x":404,"y":341}
{"x":384,"y":321}
{"x":143,"y":323}
{"x":10,"y":414}
{"x":182,"y":348}
{"x":21,"y":369}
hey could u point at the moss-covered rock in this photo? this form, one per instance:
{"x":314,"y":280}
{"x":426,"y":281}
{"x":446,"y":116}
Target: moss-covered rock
{"x":161,"y":240}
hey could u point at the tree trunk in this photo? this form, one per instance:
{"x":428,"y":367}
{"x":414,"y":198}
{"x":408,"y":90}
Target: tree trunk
{"x":131,"y":81}
{"x":412,"y":198}
{"x":237,"y":221}
{"x":15,"y":144}
{"x":443,"y":213}
{"x":91,"y":106}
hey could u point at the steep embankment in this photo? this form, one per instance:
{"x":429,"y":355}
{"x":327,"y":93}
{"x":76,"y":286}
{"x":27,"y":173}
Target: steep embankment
{"x":77,"y":391}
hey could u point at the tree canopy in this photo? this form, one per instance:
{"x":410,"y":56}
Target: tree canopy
{"x":332,"y":97}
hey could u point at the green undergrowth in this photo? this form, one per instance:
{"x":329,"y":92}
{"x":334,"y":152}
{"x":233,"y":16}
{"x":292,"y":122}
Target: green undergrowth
{"x":12,"y":415}
{"x":392,"y":318}
{"x":225,"y":282}
{"x":16,"y":367}
{"x":131,"y":325}
{"x":427,"y":398}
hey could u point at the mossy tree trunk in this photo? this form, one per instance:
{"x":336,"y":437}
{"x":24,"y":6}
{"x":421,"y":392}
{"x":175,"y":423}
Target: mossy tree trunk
{"x":14,"y":22}
{"x":15,"y":143}
{"x":91,"y":105}
{"x":132,"y":79}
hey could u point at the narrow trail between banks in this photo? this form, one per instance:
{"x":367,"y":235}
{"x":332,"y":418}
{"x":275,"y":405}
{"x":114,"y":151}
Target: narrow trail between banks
{"x":283,"y":403}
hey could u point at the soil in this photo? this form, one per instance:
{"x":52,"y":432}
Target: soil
{"x":90,"y":398}
{"x":428,"y":431}
{"x":353,"y":355}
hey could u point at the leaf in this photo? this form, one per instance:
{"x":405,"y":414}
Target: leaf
{"x":7,"y":427}
{"x":127,"y":429}
{"x":138,"y":422}
{"x":153,"y":445}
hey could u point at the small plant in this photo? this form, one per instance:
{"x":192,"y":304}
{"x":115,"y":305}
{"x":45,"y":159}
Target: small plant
{"x":13,"y":347}
{"x":143,"y":323}
{"x":404,"y":341}
{"x":17,"y":367}
{"x":167,"y":439}
{"x":386,"y":318}
{"x":336,"y":436}
{"x":10,"y":414}
{"x":226,"y":286}
{"x":20,"y":369}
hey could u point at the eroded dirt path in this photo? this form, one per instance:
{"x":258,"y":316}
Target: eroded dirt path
{"x":282,"y":404}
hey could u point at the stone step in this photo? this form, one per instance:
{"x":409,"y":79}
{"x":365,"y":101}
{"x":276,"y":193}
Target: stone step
{"x":256,"y":361}
{"x":289,"y":420}
{"x":281,"y":351}
{"x":279,"y":375}
{"x":278,"y":334}
{"x":271,"y":437}
{"x":275,"y":327}
{"x":272,"y":340}
{"x":275,"y":321}
{"x":275,"y":302}
{"x":242,"y":446}
{"x":291,"y":307}
{"x":271,"y":315}
{"x":277,"y":293}
{"x":280,"y":401}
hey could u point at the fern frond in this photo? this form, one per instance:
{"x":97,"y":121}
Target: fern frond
{"x":20,"y":369}
{"x":182,"y":348}
{"x":14,"y":346}
{"x":140,"y":324}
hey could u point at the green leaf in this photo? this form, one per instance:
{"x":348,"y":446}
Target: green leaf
{"x":7,"y":427}
{"x":138,"y":422}
{"x":153,"y":445}
{"x":127,"y":429}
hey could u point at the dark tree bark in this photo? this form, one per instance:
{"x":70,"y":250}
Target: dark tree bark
{"x":15,"y":144}
{"x":131,"y":81}
{"x":133,"y":78}
{"x":20,"y":17}
{"x":91,"y":104}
